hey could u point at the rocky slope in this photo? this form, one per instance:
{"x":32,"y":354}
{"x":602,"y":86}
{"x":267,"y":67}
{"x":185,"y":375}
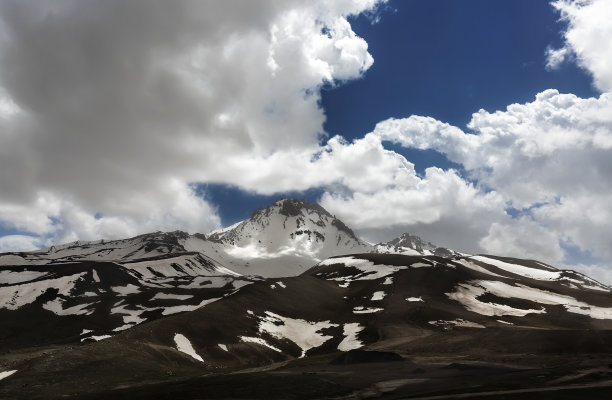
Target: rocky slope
{"x":172,"y":315}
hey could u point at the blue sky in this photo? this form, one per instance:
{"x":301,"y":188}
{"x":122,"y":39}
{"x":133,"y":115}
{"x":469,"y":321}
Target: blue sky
{"x":445,"y":59}
{"x":483,"y":126}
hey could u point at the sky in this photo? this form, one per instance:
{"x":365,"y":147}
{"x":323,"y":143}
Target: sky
{"x":481,"y":126}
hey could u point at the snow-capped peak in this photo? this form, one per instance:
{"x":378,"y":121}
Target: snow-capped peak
{"x":412,"y":244}
{"x":290,"y":227}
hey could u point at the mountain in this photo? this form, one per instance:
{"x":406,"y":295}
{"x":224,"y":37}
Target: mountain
{"x":290,"y":303}
{"x":413,"y":245}
{"x":358,"y":326}
{"x":283,"y":239}
{"x":286,"y":238}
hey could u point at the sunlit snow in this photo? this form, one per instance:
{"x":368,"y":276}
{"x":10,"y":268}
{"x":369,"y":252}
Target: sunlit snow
{"x":56,"y":307}
{"x":467,"y":294}
{"x":350,"y":340}
{"x":250,"y":339}
{"x":534,"y":273}
{"x":366,"y":310}
{"x":6,"y":374}
{"x":12,"y":277}
{"x":457,"y":322}
{"x":370,"y":271}
{"x":377,"y":296}
{"x":303,"y":333}
{"x":13,"y":297}
{"x":170,"y":296}
{"x":125,"y":290}
{"x":184,"y":345}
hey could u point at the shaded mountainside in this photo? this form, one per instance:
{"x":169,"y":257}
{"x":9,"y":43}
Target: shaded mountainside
{"x":284,"y":239}
{"x":445,"y":324}
{"x":91,"y":290}
{"x":80,"y":301}
{"x":290,"y":303}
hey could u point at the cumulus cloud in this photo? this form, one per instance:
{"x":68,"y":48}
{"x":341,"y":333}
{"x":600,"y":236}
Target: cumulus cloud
{"x":587,"y":37}
{"x":548,"y":159}
{"x":109,"y":110}
{"x":19,"y":243}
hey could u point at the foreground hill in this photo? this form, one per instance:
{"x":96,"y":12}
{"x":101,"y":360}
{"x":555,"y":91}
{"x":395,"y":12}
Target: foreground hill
{"x":358,"y":326}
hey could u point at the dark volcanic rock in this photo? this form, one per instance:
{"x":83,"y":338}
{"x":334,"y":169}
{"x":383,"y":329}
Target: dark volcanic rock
{"x":362,"y":356}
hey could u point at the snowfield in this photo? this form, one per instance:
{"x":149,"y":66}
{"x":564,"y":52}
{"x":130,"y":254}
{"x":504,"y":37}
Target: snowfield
{"x":533,"y":273}
{"x":457,"y":322}
{"x":250,"y":339}
{"x":377,"y":296}
{"x":16,"y":296}
{"x":303,"y":333}
{"x":350,"y":341}
{"x":8,"y":277}
{"x":6,"y":374}
{"x":184,"y":345}
{"x":369,"y":270}
{"x":468,"y":293}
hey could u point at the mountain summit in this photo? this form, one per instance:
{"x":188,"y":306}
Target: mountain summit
{"x":290,"y":231}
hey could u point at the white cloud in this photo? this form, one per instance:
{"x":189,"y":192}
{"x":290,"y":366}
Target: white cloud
{"x":523,"y":238}
{"x":109,"y":110}
{"x":19,"y":243}
{"x":587,"y":37}
{"x":549,"y":158}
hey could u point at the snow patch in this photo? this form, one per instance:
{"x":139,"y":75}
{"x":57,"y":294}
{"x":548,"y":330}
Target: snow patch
{"x":377,"y":296}
{"x":129,"y":316}
{"x":504,"y":322}
{"x":86,"y":331}
{"x":533,"y":273}
{"x":125,"y":290}
{"x":467,"y":294}
{"x":170,"y":296}
{"x":414,"y":299}
{"x":96,"y":338}
{"x":56,"y":307}
{"x":250,"y":339}
{"x":303,"y":333}
{"x":364,"y":310}
{"x":184,"y":345}
{"x":458,"y":322}
{"x":123,"y":327}
{"x":281,"y":284}
{"x":223,"y":347}
{"x":476,"y":267}
{"x":185,"y":308}
{"x":369,"y":270}
{"x":388,"y":280}
{"x":6,"y":374}
{"x":16,"y":296}
{"x":12,"y":277}
{"x":350,"y":341}
{"x":420,"y":265}
{"x":95,"y":275}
